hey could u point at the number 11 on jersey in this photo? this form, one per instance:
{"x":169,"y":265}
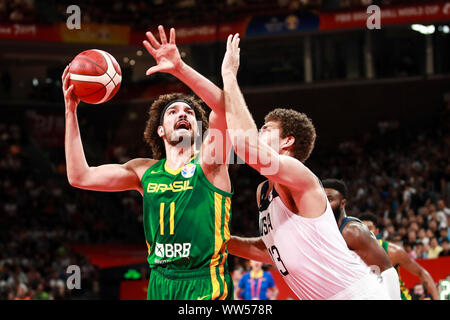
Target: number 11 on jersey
{"x":171,"y":219}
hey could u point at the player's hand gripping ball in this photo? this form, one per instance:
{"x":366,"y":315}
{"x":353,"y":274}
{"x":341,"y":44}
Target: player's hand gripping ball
{"x":95,"y":75}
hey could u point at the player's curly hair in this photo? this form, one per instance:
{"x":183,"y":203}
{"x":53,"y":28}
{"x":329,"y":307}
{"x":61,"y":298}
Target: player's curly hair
{"x":297,"y":125}
{"x":151,"y":135}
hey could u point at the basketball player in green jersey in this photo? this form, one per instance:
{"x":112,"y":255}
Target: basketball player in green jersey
{"x":400,"y":258}
{"x":186,"y":195}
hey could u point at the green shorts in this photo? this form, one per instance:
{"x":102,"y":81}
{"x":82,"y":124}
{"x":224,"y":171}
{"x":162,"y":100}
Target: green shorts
{"x":169,"y":284}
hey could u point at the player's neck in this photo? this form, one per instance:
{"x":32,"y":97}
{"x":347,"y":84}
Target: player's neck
{"x":342,"y":216}
{"x":176,"y":157}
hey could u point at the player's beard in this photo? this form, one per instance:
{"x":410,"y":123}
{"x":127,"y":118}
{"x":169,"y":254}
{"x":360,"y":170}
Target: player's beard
{"x":337,"y":212}
{"x":182,"y":138}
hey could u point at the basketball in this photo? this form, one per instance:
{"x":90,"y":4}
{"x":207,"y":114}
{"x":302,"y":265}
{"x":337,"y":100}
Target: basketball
{"x":95,"y":75}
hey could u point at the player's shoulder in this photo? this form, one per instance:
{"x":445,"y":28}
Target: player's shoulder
{"x":356,"y":230}
{"x":292,"y":164}
{"x":140,"y":162}
{"x":140,"y":165}
{"x":351,"y":223}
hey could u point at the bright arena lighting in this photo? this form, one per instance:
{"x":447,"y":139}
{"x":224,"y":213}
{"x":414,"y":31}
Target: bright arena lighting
{"x":423,"y":29}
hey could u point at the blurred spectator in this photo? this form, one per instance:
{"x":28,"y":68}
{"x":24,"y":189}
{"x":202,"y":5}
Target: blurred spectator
{"x":421,"y":252}
{"x":22,"y":291}
{"x":41,"y":293}
{"x":257,"y":284}
{"x":445,"y":249}
{"x":419,"y":293}
{"x":409,"y":250}
{"x":443,"y":235}
{"x":435,"y":248}
{"x":238,"y":271}
{"x":442,"y":209}
{"x":439,"y":216}
{"x":412,"y":238}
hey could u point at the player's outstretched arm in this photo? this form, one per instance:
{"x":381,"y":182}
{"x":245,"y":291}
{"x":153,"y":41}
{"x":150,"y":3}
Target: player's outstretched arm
{"x":168,"y":60}
{"x":399,"y":256}
{"x":243,"y":132}
{"x":249,"y":248}
{"x":111,"y":177}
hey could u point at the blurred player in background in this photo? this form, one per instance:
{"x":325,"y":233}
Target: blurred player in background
{"x":186,"y":195}
{"x":358,"y":237}
{"x":400,"y":258}
{"x":257,"y":284}
{"x":297,"y":224}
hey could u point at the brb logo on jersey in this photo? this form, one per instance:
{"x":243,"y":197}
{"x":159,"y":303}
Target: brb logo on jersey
{"x":172,"y":250}
{"x":188,"y":170}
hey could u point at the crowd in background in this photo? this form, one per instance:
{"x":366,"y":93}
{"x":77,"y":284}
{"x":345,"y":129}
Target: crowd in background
{"x":38,"y":221}
{"x":401,"y":175}
{"x":141,"y":12}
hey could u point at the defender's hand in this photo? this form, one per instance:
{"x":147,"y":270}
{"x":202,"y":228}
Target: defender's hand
{"x":70,"y":99}
{"x":230,"y":64}
{"x":166,"y":54}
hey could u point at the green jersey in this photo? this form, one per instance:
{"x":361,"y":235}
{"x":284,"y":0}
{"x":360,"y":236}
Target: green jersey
{"x":186,"y":221}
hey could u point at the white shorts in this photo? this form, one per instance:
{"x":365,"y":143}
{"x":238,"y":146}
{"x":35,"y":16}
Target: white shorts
{"x":370,"y":287}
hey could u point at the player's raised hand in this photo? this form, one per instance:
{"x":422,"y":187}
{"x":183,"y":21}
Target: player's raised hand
{"x":230,"y":62}
{"x":166,"y":54}
{"x":70,"y":99}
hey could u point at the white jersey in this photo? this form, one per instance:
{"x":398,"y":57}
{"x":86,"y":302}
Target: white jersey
{"x":312,"y":255}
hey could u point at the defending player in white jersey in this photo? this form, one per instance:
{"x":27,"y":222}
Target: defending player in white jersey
{"x":296,"y":220}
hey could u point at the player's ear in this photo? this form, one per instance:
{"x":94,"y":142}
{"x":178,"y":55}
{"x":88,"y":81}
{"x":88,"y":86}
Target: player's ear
{"x":160,"y":131}
{"x":343,"y":203}
{"x":287,"y":143}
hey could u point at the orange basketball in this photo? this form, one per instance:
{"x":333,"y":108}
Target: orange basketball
{"x":95,"y":75}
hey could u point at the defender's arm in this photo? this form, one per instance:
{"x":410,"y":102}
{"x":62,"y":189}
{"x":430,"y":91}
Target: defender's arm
{"x":249,"y":248}
{"x":282,"y":169}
